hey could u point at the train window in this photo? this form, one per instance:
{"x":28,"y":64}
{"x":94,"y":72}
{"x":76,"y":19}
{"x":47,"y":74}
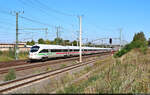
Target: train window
{"x":76,"y":50}
{"x":44,"y":51}
{"x":53,"y":50}
{"x":65,"y":50}
{"x":34,"y":49}
{"x":70,"y":49}
{"x":56,"y":50}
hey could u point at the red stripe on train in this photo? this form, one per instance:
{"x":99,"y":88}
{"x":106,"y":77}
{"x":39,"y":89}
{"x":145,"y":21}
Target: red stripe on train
{"x":76,"y":52}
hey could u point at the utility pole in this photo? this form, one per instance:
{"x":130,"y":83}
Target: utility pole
{"x":16,"y":46}
{"x":77,"y":38}
{"x":80,"y":22}
{"x":120,"y":38}
{"x":16,"y":50}
{"x":46,"y":33}
{"x":57,"y":34}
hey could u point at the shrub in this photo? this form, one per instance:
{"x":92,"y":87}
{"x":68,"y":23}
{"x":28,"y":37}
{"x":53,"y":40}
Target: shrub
{"x":143,"y":49}
{"x":23,"y":55}
{"x":11,"y":75}
{"x":11,"y":53}
{"x":139,"y":41}
{"x":120,"y":53}
{"x":1,"y":53}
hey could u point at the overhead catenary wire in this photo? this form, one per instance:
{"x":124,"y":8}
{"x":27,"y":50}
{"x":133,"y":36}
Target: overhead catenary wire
{"x":29,"y":19}
{"x":32,"y":20}
{"x":54,"y":10}
{"x":39,"y":8}
{"x":45,"y":7}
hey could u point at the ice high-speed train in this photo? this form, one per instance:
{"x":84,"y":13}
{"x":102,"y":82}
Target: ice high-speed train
{"x":43,"y":52}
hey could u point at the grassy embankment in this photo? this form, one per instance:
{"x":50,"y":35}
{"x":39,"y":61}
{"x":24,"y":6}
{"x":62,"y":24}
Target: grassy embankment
{"x":128,"y":74}
{"x":6,"y":56}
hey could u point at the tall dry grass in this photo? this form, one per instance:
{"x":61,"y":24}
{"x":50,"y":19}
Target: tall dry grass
{"x":6,"y":56}
{"x":128,"y":74}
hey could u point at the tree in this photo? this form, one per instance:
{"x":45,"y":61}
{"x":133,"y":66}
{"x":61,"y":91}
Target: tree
{"x":58,"y":41}
{"x":41,"y":41}
{"x":74,"y":43}
{"x":139,"y":41}
{"x":149,"y":42}
{"x":139,"y":37}
{"x":89,"y":44}
{"x":47,"y":42}
{"x":32,"y":42}
{"x":66,"y":42}
{"x":28,"y":43}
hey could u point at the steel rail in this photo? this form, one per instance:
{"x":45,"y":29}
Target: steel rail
{"x":29,"y":66}
{"x":7,"y":86}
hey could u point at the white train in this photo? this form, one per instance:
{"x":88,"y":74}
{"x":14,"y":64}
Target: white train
{"x":43,"y":52}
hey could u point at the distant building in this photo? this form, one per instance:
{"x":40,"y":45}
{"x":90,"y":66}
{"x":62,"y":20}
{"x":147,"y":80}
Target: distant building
{"x":6,"y":46}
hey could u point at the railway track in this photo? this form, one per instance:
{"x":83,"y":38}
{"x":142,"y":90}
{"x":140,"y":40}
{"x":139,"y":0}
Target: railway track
{"x":12,"y":63}
{"x":21,"y":82}
{"x":24,"y":62}
{"x":34,"y":65}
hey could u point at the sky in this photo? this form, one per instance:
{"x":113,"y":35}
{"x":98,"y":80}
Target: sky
{"x":100,"y":19}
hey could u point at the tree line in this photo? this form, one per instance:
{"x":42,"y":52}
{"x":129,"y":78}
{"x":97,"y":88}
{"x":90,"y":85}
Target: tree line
{"x":60,"y":41}
{"x":139,"y":41}
{"x":56,"y":41}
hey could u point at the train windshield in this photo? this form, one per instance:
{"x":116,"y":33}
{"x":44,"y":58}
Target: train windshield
{"x":34,"y":49}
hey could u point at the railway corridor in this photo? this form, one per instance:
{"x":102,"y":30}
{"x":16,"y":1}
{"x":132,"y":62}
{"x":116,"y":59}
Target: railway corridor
{"x":53,"y":81}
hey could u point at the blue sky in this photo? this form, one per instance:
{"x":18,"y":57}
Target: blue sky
{"x":102,"y":18}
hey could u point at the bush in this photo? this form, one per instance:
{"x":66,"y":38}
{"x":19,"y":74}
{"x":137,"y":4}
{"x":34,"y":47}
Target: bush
{"x":139,"y":41}
{"x":11,"y":53}
{"x":143,"y":49}
{"x":1,"y":53}
{"x":11,"y":75}
{"x":121,"y":52}
{"x":23,"y":55}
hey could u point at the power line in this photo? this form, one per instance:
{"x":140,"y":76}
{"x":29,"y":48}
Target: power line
{"x":6,"y":28}
{"x":45,"y":7}
{"x":39,"y":8}
{"x":7,"y":23}
{"x":30,"y":3}
{"x":54,"y":10}
{"x":29,"y":19}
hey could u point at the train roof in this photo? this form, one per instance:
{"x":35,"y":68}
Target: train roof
{"x":64,"y":47}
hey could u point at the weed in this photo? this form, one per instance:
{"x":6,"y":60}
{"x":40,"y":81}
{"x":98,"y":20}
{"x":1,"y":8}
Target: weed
{"x":10,"y":55}
{"x":87,"y":69}
{"x":1,"y":53}
{"x":48,"y":69}
{"x":74,"y":62}
{"x":63,"y":65}
{"x":11,"y":75}
{"x":118,"y":62}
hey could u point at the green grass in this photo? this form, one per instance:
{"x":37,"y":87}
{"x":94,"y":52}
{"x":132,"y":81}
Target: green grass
{"x":6,"y":56}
